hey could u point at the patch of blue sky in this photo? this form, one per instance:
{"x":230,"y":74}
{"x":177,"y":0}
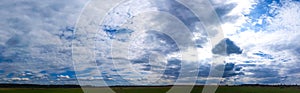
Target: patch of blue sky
{"x":2,"y":71}
{"x":259,"y":14}
{"x":113,"y":31}
{"x":264,"y":55}
{"x":70,"y":73}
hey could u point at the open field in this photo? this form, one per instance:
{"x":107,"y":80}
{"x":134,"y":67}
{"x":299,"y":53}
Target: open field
{"x":223,"y":89}
{"x":40,"y":90}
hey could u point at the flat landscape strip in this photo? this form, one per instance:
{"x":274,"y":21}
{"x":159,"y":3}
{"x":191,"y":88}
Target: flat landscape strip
{"x":223,"y":89}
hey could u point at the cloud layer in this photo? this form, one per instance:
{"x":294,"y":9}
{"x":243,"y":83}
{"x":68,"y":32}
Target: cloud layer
{"x":261,"y":42}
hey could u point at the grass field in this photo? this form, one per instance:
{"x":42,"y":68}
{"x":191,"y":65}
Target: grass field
{"x":223,"y":89}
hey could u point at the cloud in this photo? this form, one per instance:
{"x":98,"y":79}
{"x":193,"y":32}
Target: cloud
{"x":270,"y":51}
{"x":36,"y":37}
{"x":261,"y":42}
{"x":231,"y":70}
{"x":226,"y":47}
{"x":30,"y":38}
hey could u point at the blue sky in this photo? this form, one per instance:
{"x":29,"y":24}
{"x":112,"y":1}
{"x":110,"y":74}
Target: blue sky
{"x":261,"y":38}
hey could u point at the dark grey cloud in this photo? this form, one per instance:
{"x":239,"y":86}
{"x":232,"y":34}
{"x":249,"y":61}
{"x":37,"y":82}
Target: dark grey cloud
{"x":170,"y":71}
{"x":232,"y":70}
{"x":263,"y":72}
{"x":17,"y":41}
{"x":224,"y":9}
{"x":226,"y":47}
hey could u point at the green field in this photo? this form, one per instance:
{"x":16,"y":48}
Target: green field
{"x":223,"y":89}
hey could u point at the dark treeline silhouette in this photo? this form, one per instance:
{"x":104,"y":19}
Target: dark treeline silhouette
{"x":262,"y":85}
{"x":36,"y":86}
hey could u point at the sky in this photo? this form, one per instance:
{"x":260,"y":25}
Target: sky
{"x":130,"y":46}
